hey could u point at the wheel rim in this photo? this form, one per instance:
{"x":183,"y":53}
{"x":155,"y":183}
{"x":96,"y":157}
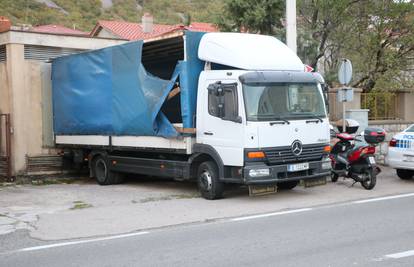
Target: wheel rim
{"x":100,"y":169}
{"x":206,"y":180}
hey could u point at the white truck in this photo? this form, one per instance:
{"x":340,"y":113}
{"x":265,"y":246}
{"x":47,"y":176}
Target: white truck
{"x":237,"y":108}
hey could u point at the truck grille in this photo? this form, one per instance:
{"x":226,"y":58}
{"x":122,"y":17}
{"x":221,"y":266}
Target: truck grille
{"x":280,"y":155}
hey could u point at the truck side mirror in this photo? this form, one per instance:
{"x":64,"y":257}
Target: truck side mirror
{"x":223,"y":101}
{"x":216,"y":88}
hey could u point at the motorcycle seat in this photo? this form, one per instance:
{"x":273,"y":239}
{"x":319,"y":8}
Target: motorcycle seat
{"x":345,"y":137}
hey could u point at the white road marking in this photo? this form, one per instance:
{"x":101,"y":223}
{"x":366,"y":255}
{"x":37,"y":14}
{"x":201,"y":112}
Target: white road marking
{"x":242,"y":218}
{"x":383,"y":198}
{"x":408,"y":253}
{"x":269,"y":214}
{"x":80,"y":242}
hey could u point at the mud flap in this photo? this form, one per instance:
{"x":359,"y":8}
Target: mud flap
{"x":260,"y":190}
{"x":314,"y":182}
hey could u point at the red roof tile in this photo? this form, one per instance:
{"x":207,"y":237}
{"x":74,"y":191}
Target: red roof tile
{"x":202,"y":27}
{"x":133,"y":31}
{"x":57,"y":29}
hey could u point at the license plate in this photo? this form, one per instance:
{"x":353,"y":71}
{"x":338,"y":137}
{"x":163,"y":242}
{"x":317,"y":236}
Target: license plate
{"x":257,"y":190}
{"x":371,"y":160}
{"x":298,"y":167}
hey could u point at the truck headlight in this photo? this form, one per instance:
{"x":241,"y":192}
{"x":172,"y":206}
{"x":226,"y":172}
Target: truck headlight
{"x":259,"y":172}
{"x":326,"y":163}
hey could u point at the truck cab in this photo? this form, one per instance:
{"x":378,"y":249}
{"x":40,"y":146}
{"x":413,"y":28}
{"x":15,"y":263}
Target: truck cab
{"x":268,"y":125}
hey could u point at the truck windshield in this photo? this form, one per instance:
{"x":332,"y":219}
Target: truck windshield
{"x":266,"y":102}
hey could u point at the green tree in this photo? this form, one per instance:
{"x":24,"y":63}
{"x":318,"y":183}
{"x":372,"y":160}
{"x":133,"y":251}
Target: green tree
{"x":382,"y":44}
{"x":259,"y":16}
{"x":85,"y":13}
{"x":375,"y":35}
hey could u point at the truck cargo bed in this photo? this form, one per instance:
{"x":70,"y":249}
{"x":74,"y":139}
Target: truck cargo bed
{"x":181,"y":144}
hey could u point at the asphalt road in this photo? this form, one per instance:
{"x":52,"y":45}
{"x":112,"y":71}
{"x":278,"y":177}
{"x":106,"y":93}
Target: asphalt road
{"x":379,"y":232}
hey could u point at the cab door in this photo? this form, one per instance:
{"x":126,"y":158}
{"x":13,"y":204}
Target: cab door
{"x":219,"y":120}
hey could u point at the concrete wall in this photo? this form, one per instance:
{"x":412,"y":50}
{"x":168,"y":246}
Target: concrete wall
{"x":4,"y":101}
{"x":25,"y":103}
{"x":104,"y":33}
{"x":21,"y":94}
{"x":406,"y":105}
{"x":27,"y":112}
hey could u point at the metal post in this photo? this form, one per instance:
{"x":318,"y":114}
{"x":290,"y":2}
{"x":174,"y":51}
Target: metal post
{"x":291,"y":24}
{"x":343,"y":116}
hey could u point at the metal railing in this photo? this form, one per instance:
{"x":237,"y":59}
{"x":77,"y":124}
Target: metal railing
{"x":381,"y":105}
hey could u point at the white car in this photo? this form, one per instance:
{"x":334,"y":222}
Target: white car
{"x":400,"y":154}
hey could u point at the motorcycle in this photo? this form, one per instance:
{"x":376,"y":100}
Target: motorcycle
{"x":354,"y":158}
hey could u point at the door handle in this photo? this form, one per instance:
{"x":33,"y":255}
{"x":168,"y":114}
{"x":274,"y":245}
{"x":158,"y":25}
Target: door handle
{"x":208,"y":133}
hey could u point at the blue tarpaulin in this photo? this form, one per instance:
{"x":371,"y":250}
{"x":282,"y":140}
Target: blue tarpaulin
{"x":189,"y":73}
{"x":109,"y":92}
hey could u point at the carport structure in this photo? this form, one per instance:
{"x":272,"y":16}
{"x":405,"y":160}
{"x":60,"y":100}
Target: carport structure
{"x":26,"y":139}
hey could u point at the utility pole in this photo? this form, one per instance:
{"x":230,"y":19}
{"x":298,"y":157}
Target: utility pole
{"x":291,"y":24}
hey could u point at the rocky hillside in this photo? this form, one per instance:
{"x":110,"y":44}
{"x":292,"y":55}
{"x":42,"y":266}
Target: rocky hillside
{"x":83,"y":14}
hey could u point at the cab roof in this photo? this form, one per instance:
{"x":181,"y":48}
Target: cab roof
{"x":248,"y":51}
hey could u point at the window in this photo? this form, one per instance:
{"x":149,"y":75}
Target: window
{"x":266,"y":102}
{"x":222,"y":100}
{"x":230,"y":100}
{"x":410,"y":129}
{"x":213,"y":103}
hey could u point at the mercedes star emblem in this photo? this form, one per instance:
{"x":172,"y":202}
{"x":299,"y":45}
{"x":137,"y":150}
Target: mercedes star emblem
{"x":296,"y":147}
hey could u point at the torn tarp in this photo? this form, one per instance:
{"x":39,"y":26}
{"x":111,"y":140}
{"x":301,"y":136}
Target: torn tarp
{"x":108,"y":92}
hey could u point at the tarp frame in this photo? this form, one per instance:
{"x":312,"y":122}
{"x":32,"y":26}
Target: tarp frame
{"x":109,"y":92}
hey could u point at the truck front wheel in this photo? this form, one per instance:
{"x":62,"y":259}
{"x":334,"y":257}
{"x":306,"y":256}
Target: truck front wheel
{"x":102,"y":173}
{"x":208,"y":181}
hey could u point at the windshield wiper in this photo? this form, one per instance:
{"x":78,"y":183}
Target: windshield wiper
{"x":319,"y":119}
{"x":278,"y":120}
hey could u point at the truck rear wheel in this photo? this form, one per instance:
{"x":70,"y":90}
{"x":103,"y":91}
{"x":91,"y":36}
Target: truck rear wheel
{"x":102,"y":173}
{"x":208,"y":181}
{"x":405,"y":174}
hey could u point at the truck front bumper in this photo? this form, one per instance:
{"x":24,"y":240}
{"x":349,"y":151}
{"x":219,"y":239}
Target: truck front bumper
{"x":280,"y":173}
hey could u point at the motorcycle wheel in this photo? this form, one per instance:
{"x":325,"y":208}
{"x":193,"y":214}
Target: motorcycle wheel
{"x":370,"y":179}
{"x":334,"y":177}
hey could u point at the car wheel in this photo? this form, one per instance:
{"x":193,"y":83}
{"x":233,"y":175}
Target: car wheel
{"x":405,"y":174}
